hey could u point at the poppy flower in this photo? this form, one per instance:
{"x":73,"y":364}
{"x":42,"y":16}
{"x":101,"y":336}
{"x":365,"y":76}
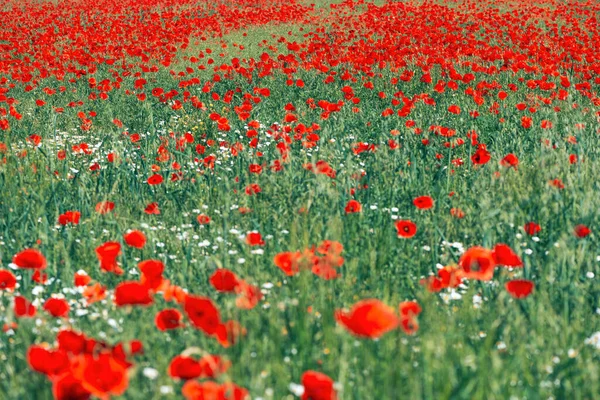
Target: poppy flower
{"x":57,"y":307}
{"x":254,"y":239}
{"x":67,"y":387}
{"x":69,"y":217}
{"x":135,"y":239}
{"x":317,"y":386}
{"x":409,"y":310}
{"x":423,"y":202}
{"x":406,"y":229}
{"x":212,"y":366}
{"x":168,"y":319}
{"x":107,"y":254}
{"x":223,"y":280}
{"x":203,"y":314}
{"x":352,"y":207}
{"x":152,"y":209}
{"x":229,"y":332}
{"x":81,"y":278}
{"x":104,"y":207}
{"x":152,"y":273}
{"x":102,"y":375}
{"x":23,"y":308}
{"x":48,"y":362}
{"x":288,"y":262}
{"x":203,"y":219}
{"x":248,"y":296}
{"x":580,"y":231}
{"x":183,"y":367}
{"x":504,"y":255}
{"x":368,"y":318}
{"x":30,"y":259}
{"x":531,"y":228}
{"x":519,"y":288}
{"x":478,"y":263}
{"x":510,"y":160}
{"x":94,"y":293}
{"x":155,"y":179}
{"x":132,"y":293}
{"x":7,"y":280}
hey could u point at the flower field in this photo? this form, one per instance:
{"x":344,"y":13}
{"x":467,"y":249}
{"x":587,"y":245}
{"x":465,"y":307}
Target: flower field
{"x":299,"y":199}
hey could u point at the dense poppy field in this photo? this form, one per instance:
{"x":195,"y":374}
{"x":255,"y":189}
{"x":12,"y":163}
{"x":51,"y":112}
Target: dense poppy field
{"x":279,"y":199}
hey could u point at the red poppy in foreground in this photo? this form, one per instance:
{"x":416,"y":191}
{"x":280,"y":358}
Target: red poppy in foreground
{"x":155,"y":179}
{"x":254,"y":239}
{"x":504,"y":255}
{"x":132,"y":293}
{"x":7,"y":280}
{"x":519,"y":288}
{"x":317,"y":386}
{"x":135,"y":239}
{"x":57,"y":307}
{"x":107,"y":254}
{"x":423,"y":202}
{"x":368,"y":318}
{"x":101,"y":375}
{"x":477,"y":263}
{"x":30,"y":259}
{"x":168,"y":319}
{"x":223,"y":280}
{"x":406,"y":229}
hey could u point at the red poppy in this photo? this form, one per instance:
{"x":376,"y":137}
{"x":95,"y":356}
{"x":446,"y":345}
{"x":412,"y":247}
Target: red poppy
{"x":57,"y":307}
{"x":67,"y":387}
{"x":168,"y":319}
{"x":7,"y":280}
{"x":135,"y":239}
{"x":152,"y":273}
{"x":510,"y":160}
{"x":155,"y":179}
{"x":152,"y":208}
{"x":248,"y":296}
{"x":531,"y":228}
{"x":254,"y":239}
{"x":519,"y":288}
{"x":317,"y":386}
{"x":423,"y":202}
{"x":406,"y":228}
{"x":580,"y":231}
{"x":203,"y":314}
{"x":352,"y":207}
{"x":203,"y":219}
{"x":504,"y":255}
{"x":229,"y":332}
{"x":478,"y":263}
{"x":132,"y":293}
{"x":107,"y":254}
{"x":69,"y":217}
{"x":102,"y":375}
{"x":368,"y":318}
{"x":81,"y":278}
{"x":104,"y":207}
{"x":94,"y":293}
{"x":223,"y":280}
{"x":288,"y":262}
{"x":30,"y":259}
{"x":409,"y":310}
{"x":212,"y":366}
{"x":23,"y":308}
{"x":48,"y":362}
{"x":182,"y":367}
